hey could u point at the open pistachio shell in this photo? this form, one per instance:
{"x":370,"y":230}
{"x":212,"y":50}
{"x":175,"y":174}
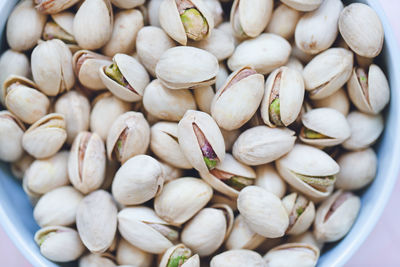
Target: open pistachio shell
{"x":303,"y":5}
{"x":11,"y":132}
{"x":54,"y":6}
{"x":338,"y":100}
{"x":237,"y":258}
{"x":301,"y":213}
{"x":179,"y":255}
{"x":269,"y":179}
{"x":61,"y":27}
{"x":283,"y":21}
{"x":129,"y":254}
{"x":290,"y":254}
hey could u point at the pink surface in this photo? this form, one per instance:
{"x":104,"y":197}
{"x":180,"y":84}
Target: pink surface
{"x":380,"y":248}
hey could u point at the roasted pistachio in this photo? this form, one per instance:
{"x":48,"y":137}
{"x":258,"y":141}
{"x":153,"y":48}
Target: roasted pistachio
{"x":11,"y":132}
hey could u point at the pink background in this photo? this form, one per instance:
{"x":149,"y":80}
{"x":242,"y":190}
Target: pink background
{"x":380,"y":249}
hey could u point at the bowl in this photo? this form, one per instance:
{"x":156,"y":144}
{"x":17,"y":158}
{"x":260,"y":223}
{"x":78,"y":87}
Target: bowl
{"x":16,"y":215}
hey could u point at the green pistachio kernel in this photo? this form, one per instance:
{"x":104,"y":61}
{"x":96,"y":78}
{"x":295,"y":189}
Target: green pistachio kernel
{"x":363,"y":78}
{"x":275,"y":112}
{"x":53,"y":31}
{"x":299,"y":211}
{"x":317,"y":181}
{"x":211,"y":163}
{"x":310,"y":134}
{"x":178,"y":257}
{"x":195,"y":24}
{"x":114,"y":73}
{"x":239,"y":182}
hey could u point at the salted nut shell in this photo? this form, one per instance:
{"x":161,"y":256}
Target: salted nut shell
{"x":337,"y":100}
{"x":126,"y":78}
{"x":283,"y":97}
{"x":181,"y":199}
{"x":369,"y":91}
{"x":87,"y":162}
{"x":309,"y":170}
{"x":335,"y":216}
{"x":129,"y":136}
{"x":11,"y":132}
{"x":283,"y":21}
{"x":249,"y":18}
{"x":186,"y":19}
{"x":177,"y":69}
{"x":242,"y":237}
{"x":179,"y":255}
{"x":269,"y":179}
{"x":46,"y":136}
{"x":362,"y":29}
{"x":230,"y":176}
{"x":303,"y":5}
{"x":245,"y":86}
{"x":301,"y":213}
{"x":53,"y":6}
{"x":324,"y":127}
{"x":127,"y":4}
{"x":290,"y":254}
{"x":129,"y":254}
{"x":237,"y":258}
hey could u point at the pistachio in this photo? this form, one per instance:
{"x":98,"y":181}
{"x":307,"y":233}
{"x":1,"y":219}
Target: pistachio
{"x":19,"y":167}
{"x":269,"y":179}
{"x":53,"y":6}
{"x":306,"y":237}
{"x":170,"y":172}
{"x":93,"y":260}
{"x":337,"y":100}
{"x":303,"y":5}
{"x":215,"y":8}
{"x":127,"y":4}
{"x":129,"y":254}
{"x":153,"y":8}
{"x":177,"y":256}
{"x":11,"y":132}
{"x":299,"y":254}
{"x":237,"y":258}
{"x":301,"y":213}
{"x":283,"y":21}
{"x":53,"y":31}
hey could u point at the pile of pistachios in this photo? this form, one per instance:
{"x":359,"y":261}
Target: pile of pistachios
{"x":191,"y":132}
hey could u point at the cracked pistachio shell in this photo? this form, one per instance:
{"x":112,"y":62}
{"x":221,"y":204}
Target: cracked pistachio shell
{"x":153,"y":7}
{"x":171,"y":21}
{"x":317,"y":31}
{"x":96,"y":221}
{"x":95,"y":260}
{"x":164,"y":144}
{"x":19,"y":167}
{"x":190,"y":142}
{"x":128,"y":136}
{"x":127,"y":4}
{"x":177,"y":69}
{"x":51,"y":63}
{"x":62,"y":26}
{"x":362,"y":29}
{"x":23,"y":98}
{"x":46,"y":136}
{"x":106,"y":108}
{"x":331,"y":224}
{"x":151,"y":43}
{"x":311,"y":162}
{"x":57,"y":207}
{"x":131,"y":255}
{"x":64,"y":20}
{"x":249,"y":18}
{"x":93,"y":24}
{"x":269,"y":179}
{"x":188,"y":261}
{"x":328,"y":72}
{"x":263,"y":212}
{"x":264,"y":53}
{"x":232,"y":167}
{"x":167,"y":104}
{"x":170,"y":172}
{"x":215,"y":8}
{"x":357,"y":169}
{"x":306,"y":237}
{"x":242,"y":237}
{"x":86,"y":66}
{"x":375,"y":96}
{"x":127,"y":24}
{"x":261,"y":144}
{"x":24,"y":26}
{"x":53,"y":6}
{"x":329,"y":122}
{"x":135,"y":226}
{"x":219,"y":43}
{"x":283,"y":21}
{"x":44,"y":175}
{"x":337,"y":100}
{"x":292,"y":254}
{"x":87,"y":162}
{"x":11,"y":132}
{"x":365,"y":130}
{"x":303,"y":5}
{"x":237,"y":258}
{"x":238,"y":99}
{"x":181,"y":199}
{"x":299,"y":220}
{"x":204,"y":96}
{"x":138,"y":180}
{"x":288,"y":85}
{"x":59,"y":243}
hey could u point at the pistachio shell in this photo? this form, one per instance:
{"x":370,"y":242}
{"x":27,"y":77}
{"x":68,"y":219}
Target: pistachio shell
{"x":337,"y":100}
{"x":170,"y":172}
{"x":11,"y":132}
{"x":215,"y":8}
{"x":65,"y":20}
{"x":242,"y":237}
{"x":237,"y":258}
{"x":94,"y":260}
{"x":301,"y":213}
{"x":127,"y":4}
{"x":303,"y":5}
{"x":218,"y":199}
{"x":129,"y":254}
{"x":307,"y":237}
{"x":54,"y":6}
{"x":295,"y":64}
{"x":19,"y":167}
{"x":178,"y":252}
{"x":269,"y":179}
{"x":204,"y":96}
{"x":153,"y":7}
{"x":299,"y":254}
{"x":283,"y":21}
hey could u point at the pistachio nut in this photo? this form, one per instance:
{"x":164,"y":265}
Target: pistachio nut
{"x":127,"y":24}
{"x":57,"y":207}
{"x":201,"y":140}
{"x":249,"y":18}
{"x":218,"y":199}
{"x":269,"y":179}
{"x":24,"y":100}
{"x":261,"y":144}
{"x":33,"y":197}
{"x":53,"y":6}
{"x":186,"y":19}
{"x":324,"y":127}
{"x":306,"y":237}
{"x":245,"y":86}
{"x":164,"y":144}
{"x":237,"y":258}
{"x":300,"y":54}
{"x":303,"y":5}
{"x":19,"y":167}
{"x":141,"y":226}
{"x":170,"y":172}
{"x":227,"y":28}
{"x":127,"y":4}
{"x":153,"y":7}
{"x":179,"y":255}
{"x":335,"y":216}
{"x":215,"y":8}
{"x":230,"y":138}
{"x":181,"y":199}
{"x":230,"y":176}
{"x":96,"y":221}
{"x":46,"y":136}
{"x":369,"y":91}
{"x":11,"y":132}
{"x":24,"y":26}
{"x":365,"y":130}
{"x":128,"y":136}
{"x":337,"y":100}
{"x":59,"y":243}
{"x":204,"y":96}
{"x":131,"y":255}
{"x":283,"y":21}
{"x":61,"y":27}
{"x":95,"y":260}
{"x":301,"y":213}
{"x":265,"y":53}
{"x":317,"y":30}
{"x":295,"y":64}
{"x":177,"y":70}
{"x":357,"y":169}
{"x":290,"y":254}
{"x":283,"y":97}
{"x":309,"y":170}
{"x":87,"y":162}
{"x":328,"y":72}
{"x":93,"y":24}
